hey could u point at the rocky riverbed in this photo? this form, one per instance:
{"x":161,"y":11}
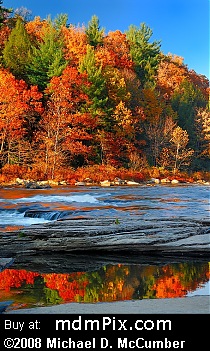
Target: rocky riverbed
{"x":142,"y":221}
{"x":180,"y":236}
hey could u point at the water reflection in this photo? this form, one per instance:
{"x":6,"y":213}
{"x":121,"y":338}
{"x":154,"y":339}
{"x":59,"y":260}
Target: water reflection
{"x":109,"y":283}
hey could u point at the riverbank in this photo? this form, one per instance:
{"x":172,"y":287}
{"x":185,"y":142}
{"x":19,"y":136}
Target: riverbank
{"x":46,"y":184}
{"x":97,"y":175}
{"x":185,"y":305}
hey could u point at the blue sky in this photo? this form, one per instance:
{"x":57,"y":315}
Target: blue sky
{"x":182,"y":26}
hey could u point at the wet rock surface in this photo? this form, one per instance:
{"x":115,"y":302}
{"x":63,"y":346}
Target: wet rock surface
{"x":154,"y":237}
{"x":5,"y":262}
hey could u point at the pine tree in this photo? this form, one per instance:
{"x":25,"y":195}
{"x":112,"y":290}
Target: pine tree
{"x":146,"y":55}
{"x":94,"y":33}
{"x":18,"y":50}
{"x":97,"y":91}
{"x":47,"y":60}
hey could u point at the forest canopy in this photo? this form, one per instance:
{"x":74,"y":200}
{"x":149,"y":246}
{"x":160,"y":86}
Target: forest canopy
{"x":75,"y":96}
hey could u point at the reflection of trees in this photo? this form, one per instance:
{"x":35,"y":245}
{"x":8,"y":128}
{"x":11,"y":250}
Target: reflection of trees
{"x":191,"y":274}
{"x":52,"y":296}
{"x":71,"y":287}
{"x":110,"y":283}
{"x":14,"y":278}
{"x":178,"y":279}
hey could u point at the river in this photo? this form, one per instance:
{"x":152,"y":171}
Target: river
{"x":109,"y":281}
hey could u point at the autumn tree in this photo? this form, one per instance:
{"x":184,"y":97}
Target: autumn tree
{"x":116,"y":86}
{"x":185,"y":101}
{"x":158,"y":122}
{"x":65,"y":130}
{"x":75,"y":41}
{"x":145,"y":54}
{"x":170,"y":74}
{"x":202,"y":125}
{"x":4,"y":35}
{"x":179,"y":152}
{"x":36,"y":28}
{"x":94,"y":33}
{"x":133,"y":87}
{"x":199,"y":81}
{"x":17,"y":52}
{"x":115,"y":51}
{"x":16,"y":101}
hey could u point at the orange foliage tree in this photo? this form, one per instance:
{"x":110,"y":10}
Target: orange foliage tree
{"x":171,"y":72}
{"x":36,"y":28}
{"x":76,"y":43}
{"x":16,"y":101}
{"x":115,"y":51}
{"x":65,"y":129}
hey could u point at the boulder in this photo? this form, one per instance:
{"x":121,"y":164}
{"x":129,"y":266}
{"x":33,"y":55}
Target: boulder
{"x":165,"y":180}
{"x":131,"y":182}
{"x":174,"y":181}
{"x":105,"y":183}
{"x":36,"y":185}
{"x":80,"y":184}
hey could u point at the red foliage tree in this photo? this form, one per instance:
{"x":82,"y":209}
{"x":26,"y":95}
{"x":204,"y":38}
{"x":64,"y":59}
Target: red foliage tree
{"x":16,"y":101}
{"x":65,"y":130}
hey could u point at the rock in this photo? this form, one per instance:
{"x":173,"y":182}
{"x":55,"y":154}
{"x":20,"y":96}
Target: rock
{"x":165,"y":180}
{"x":20,"y":181}
{"x":118,"y":181}
{"x":36,"y":185}
{"x":174,"y":181}
{"x":43,"y":182}
{"x":105,"y":183}
{"x":62,"y":182}
{"x":131,"y":182}
{"x":170,"y":237}
{"x":4,"y":305}
{"x":80,"y":184}
{"x":53,"y":182}
{"x":88,"y":181}
{"x":5,"y":262}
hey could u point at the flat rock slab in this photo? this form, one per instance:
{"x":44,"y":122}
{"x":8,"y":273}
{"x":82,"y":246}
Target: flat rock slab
{"x":153,"y":236}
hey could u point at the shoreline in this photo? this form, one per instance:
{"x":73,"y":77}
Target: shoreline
{"x":41,"y":185}
{"x":182,"y":305}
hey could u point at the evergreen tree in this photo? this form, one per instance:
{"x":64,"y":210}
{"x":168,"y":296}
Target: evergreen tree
{"x":146,"y":55}
{"x":47,"y":59}
{"x":97,"y":91}
{"x":60,"y":21}
{"x":94,"y":33}
{"x":18,"y":50}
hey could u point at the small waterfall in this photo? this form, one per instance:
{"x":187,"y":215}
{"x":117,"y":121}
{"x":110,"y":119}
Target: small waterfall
{"x":46,"y":214}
